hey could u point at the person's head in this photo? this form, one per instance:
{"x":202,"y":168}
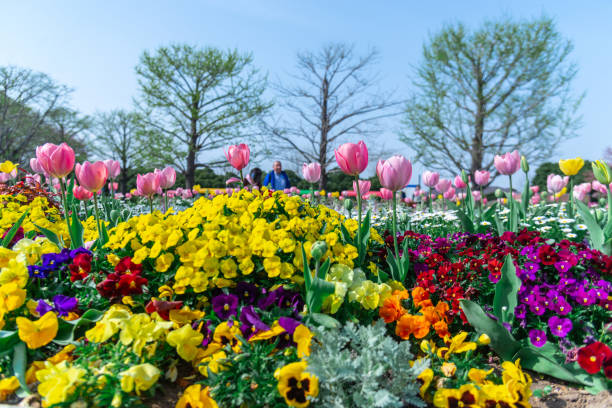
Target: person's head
{"x":256,"y":176}
{"x":277,"y":167}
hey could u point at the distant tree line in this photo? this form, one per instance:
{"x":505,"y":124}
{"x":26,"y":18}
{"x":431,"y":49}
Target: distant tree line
{"x":476,"y":93}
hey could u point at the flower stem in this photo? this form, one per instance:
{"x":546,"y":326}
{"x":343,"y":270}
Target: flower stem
{"x":358,"y":209}
{"x":65,"y":203}
{"x":394,"y":226}
{"x":95,"y":197}
{"x":151,"y":204}
{"x":429,"y":200}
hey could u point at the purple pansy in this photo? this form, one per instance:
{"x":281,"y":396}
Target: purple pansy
{"x":225,"y":306}
{"x":537,"y":337}
{"x":559,"y":326}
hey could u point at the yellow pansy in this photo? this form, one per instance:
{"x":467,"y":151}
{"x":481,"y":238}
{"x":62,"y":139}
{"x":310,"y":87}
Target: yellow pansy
{"x":302,"y":336}
{"x":296,"y":385}
{"x":457,"y":345}
{"x":425,"y":379}
{"x":448,"y":369}
{"x":58,"y":382}
{"x":11,"y":297}
{"x":196,"y":396}
{"x":37,"y":333}
{"x":15,"y":271}
{"x":467,"y":395}
{"x":8,"y":386}
{"x":186,"y":341}
{"x":478,"y":376}
{"x":571,"y":167}
{"x":139,"y":378}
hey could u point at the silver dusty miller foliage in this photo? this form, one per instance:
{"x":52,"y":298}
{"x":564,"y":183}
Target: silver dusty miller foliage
{"x":361,"y":366}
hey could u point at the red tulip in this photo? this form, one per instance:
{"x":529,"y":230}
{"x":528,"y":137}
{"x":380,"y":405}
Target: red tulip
{"x":311,"y":172}
{"x":352,"y":158}
{"x":148,"y":184}
{"x":92,"y":176}
{"x":238,"y":156}
{"x":81,"y":193}
{"x":58,"y":161}
{"x":394,"y":173}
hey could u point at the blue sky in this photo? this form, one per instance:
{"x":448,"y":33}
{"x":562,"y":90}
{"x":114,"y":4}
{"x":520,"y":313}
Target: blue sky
{"x":93,"y":46}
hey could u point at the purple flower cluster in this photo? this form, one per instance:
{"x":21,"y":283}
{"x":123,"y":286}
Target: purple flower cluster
{"x":249,"y":303}
{"x":54,"y":262}
{"x":62,"y":305}
{"x":555,"y":282}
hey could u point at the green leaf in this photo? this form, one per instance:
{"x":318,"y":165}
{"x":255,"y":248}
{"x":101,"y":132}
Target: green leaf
{"x":506,"y":290}
{"x":525,"y":199}
{"x":502,"y":340}
{"x":51,"y":236}
{"x":346,"y":236}
{"x":319,"y":290}
{"x":76,"y":231}
{"x":307,"y":274}
{"x":322,"y":273}
{"x":533,"y":360}
{"x":8,"y":339}
{"x":595,"y":232}
{"x":325,"y":320}
{"x":20,"y":363}
{"x":11,"y":233}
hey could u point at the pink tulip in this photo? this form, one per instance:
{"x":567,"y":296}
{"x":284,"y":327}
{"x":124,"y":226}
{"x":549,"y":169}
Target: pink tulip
{"x":148,"y":184}
{"x":585,"y":186}
{"x":535,"y":189}
{"x":58,"y":161}
{"x":430,"y":178}
{"x":352,"y":158}
{"x":443,"y":185}
{"x":597,"y":186}
{"x":555,"y":183}
{"x":508,"y":163}
{"x":476,"y":195}
{"x":233,"y":180}
{"x":229,"y":191}
{"x":32,"y":179}
{"x":4,"y":177}
{"x":386,"y":194}
{"x":187,"y":194}
{"x":238,"y":156}
{"x":286,"y":191}
{"x":113,"y":167}
{"x":35,"y":166}
{"x":113,"y":186}
{"x":459,"y":182}
{"x":364,"y":187}
{"x":311,"y":172}
{"x":92,"y":176}
{"x":81,"y":193}
{"x":167,"y":177}
{"x":394,"y":173}
{"x":579,"y":193}
{"x":450,"y":194}
{"x":118,"y":196}
{"x":535,"y":199}
{"x":481,"y":177}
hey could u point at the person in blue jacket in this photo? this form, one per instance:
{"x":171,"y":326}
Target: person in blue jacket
{"x":277,"y":179}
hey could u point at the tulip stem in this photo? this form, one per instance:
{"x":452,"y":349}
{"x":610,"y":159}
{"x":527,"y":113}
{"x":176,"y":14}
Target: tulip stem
{"x":571,"y":197}
{"x":394,"y":228}
{"x":65,"y":203}
{"x":429,"y":200}
{"x":481,"y":202}
{"x":166,"y":201}
{"x":358,"y":209}
{"x":151,"y":204}
{"x":95,"y":197}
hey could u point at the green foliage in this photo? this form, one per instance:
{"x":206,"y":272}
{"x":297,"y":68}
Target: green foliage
{"x":361,"y":366}
{"x":524,"y":75}
{"x":250,"y":382}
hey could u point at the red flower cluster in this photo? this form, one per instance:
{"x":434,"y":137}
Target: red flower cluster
{"x":125,"y":281}
{"x":162,"y":307}
{"x":80,"y":267}
{"x":595,"y":356}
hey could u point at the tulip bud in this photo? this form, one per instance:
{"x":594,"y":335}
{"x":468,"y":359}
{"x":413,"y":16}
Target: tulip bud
{"x":114,"y":215}
{"x":464,"y":177}
{"x":603,"y":202}
{"x":599,"y":214}
{"x":524,"y":164}
{"x":544,"y":195}
{"x":602,"y":172}
{"x":348,"y":204}
{"x":499,"y":193}
{"x":318,"y":249}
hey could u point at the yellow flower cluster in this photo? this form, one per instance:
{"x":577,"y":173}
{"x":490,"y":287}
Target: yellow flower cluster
{"x":515,"y":389}
{"x":353,"y":282}
{"x":40,"y":214}
{"x":135,"y":330}
{"x":218,"y":239}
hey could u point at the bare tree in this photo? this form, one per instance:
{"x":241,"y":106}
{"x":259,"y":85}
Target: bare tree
{"x":501,"y":87}
{"x":68,"y":125}
{"x":27,"y":99}
{"x":116,"y":133}
{"x":333,"y":101}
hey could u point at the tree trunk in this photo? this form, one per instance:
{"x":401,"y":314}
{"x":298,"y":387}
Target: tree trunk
{"x":324,"y":132}
{"x":191,"y":156}
{"x":323,"y":179}
{"x":477,"y":152}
